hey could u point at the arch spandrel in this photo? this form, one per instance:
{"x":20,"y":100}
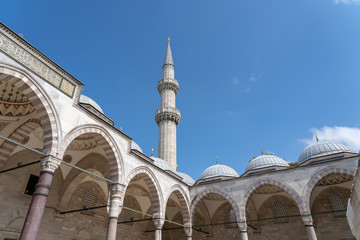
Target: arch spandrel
{"x":316,"y":177}
{"x":108,"y":144}
{"x":156,"y":196}
{"x":248,"y":192}
{"x":42,"y":104}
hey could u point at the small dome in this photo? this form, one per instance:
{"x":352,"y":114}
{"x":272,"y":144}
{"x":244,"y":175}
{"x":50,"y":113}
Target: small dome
{"x":266,"y":160}
{"x":135,"y":146}
{"x":186,"y":178}
{"x":322,"y":148}
{"x":217,"y":171}
{"x":87,"y":100}
{"x":161,"y":163}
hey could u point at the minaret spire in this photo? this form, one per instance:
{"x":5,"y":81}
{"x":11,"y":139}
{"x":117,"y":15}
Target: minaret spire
{"x":167,"y":116}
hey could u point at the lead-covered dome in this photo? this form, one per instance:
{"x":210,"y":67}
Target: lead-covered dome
{"x":218,"y":170}
{"x":161,"y":163}
{"x":135,"y":146}
{"x":186,"y":178}
{"x":265,"y":161}
{"x":323,"y":148}
{"x":87,"y":100}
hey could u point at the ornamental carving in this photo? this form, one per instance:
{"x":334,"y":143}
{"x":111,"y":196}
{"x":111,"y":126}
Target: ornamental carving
{"x":117,"y":190}
{"x":267,"y":188}
{"x":168,"y":83}
{"x":167,"y":113}
{"x":334,"y":178}
{"x":49,"y":164}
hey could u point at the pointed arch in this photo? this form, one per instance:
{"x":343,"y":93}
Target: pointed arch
{"x":18,"y":135}
{"x":200,"y":195}
{"x":184,"y":201}
{"x":261,"y":182}
{"x":42,"y":104}
{"x":317,"y":176}
{"x":105,"y":140}
{"x":152,"y":183}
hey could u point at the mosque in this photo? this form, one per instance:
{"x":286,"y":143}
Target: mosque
{"x":67,"y":173}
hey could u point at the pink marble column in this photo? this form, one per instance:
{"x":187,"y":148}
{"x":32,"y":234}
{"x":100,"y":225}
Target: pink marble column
{"x":38,"y":202}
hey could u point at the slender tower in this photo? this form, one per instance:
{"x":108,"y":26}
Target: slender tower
{"x":167,"y":116}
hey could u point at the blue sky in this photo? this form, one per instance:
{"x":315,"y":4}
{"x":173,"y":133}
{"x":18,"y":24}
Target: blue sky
{"x":252,"y":74}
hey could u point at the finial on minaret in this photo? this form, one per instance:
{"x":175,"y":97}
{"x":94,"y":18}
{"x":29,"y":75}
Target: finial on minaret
{"x":217,"y":160}
{"x":168,"y":39}
{"x":262,"y":152}
{"x":317,"y":139}
{"x":152,"y":152}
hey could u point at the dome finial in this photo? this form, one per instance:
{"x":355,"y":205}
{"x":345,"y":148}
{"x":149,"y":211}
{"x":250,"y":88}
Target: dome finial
{"x":152,"y":152}
{"x":316,"y":137}
{"x":217,"y":160}
{"x":262,"y":152}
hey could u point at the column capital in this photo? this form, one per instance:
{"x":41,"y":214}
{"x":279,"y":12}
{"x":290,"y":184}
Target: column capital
{"x":159,"y":222}
{"x":307,"y":219}
{"x":116,"y":190}
{"x":50,"y":164}
{"x":242,"y":226}
{"x":188,"y":229}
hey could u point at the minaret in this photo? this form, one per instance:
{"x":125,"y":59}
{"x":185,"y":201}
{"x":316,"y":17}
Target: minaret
{"x":167,"y":116}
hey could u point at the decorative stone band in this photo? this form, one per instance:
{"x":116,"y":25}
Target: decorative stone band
{"x":167,"y":113}
{"x":168,"y":83}
{"x":27,"y":59}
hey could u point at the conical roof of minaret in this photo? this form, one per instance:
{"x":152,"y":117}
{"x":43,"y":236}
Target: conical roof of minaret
{"x":168,"y":56}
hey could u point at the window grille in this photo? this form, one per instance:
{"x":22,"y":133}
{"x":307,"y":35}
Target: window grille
{"x":89,"y":201}
{"x":279,"y":212}
{"x":337,"y":202}
{"x":230,"y":218}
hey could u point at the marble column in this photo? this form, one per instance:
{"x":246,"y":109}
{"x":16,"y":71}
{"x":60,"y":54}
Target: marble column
{"x":34,"y":215}
{"x":116,"y":193}
{"x":307,"y":219}
{"x":243,"y":230}
{"x":158,"y":228}
{"x":188,"y":231}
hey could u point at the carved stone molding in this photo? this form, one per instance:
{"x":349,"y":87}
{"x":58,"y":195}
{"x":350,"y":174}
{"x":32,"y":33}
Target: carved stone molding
{"x":307,"y":219}
{"x":49,"y":164}
{"x":168,"y":83}
{"x":167,"y":113}
{"x":117,"y":190}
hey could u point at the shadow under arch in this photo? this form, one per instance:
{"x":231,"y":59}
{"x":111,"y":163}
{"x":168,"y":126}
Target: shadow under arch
{"x":106,"y":141}
{"x":317,"y":176}
{"x":40,"y":101}
{"x":227,"y":197}
{"x":261,"y":182}
{"x":156,"y":196}
{"x":183,"y":200}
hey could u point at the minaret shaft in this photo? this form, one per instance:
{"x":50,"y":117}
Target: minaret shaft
{"x":167,"y":116}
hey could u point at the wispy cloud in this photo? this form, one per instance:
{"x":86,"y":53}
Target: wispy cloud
{"x":247,"y":89}
{"x":254,"y":77}
{"x":346,"y":135}
{"x":232,"y":113}
{"x":347,"y":2}
{"x":235,"y":81}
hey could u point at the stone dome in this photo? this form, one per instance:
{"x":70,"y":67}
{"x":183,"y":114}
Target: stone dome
{"x":135,"y":146}
{"x":218,"y":170}
{"x":322,"y":148}
{"x":264,"y":161}
{"x":186,"y":178}
{"x":161,"y":163}
{"x":87,"y":100}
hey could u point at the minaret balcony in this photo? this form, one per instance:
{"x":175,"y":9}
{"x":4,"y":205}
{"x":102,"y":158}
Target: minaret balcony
{"x":167,"y":113}
{"x":168,"y":83}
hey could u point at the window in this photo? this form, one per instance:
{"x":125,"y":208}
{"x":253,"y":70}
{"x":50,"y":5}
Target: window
{"x":279,"y":212}
{"x":337,"y":203}
{"x":89,"y":201}
{"x":230,"y":218}
{"x":30,"y":187}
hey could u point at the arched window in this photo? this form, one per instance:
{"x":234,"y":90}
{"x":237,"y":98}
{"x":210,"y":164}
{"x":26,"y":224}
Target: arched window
{"x":279,"y":212}
{"x":89,"y":200}
{"x":230,"y":218}
{"x":337,"y":203}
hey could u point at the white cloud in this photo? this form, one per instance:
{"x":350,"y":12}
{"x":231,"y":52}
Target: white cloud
{"x":235,"y":81}
{"x":252,"y":78}
{"x":347,"y":2}
{"x":247,"y":89}
{"x":346,"y":135}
